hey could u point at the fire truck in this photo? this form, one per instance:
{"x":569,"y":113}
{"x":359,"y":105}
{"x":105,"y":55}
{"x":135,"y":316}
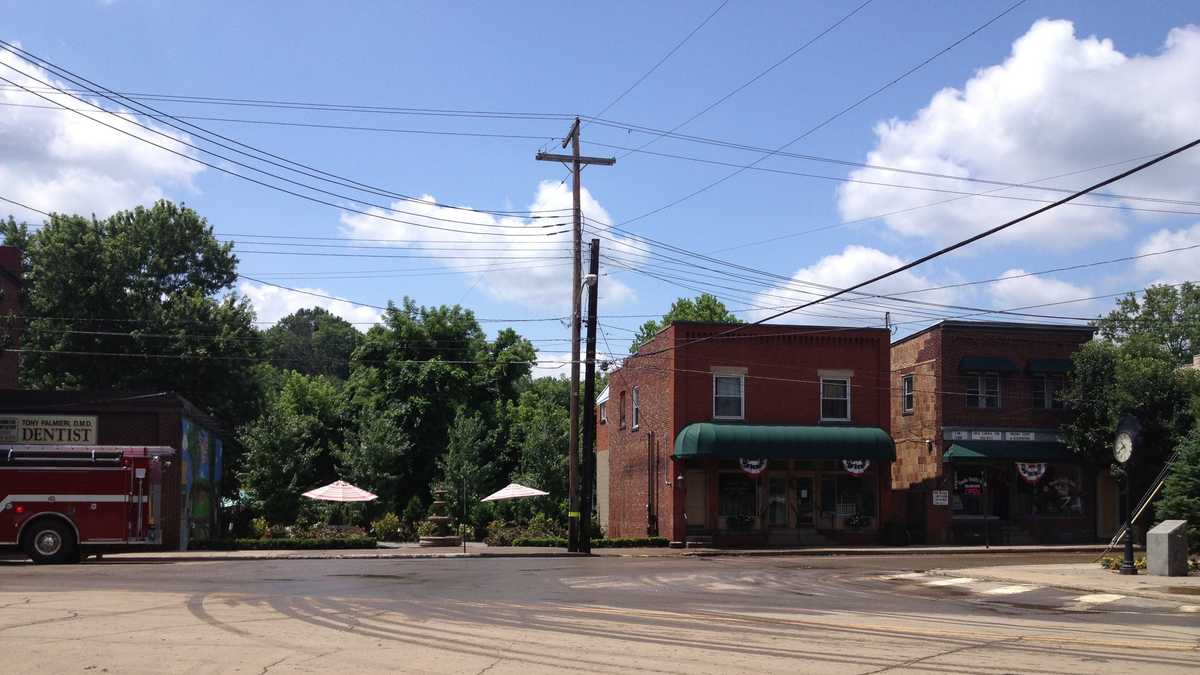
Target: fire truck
{"x":60,"y":504}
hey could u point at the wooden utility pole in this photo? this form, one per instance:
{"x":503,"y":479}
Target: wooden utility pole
{"x":576,"y":162}
{"x":588,"y":484}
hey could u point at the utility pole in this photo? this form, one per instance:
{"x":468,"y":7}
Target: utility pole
{"x":588,"y":484}
{"x":576,"y":162}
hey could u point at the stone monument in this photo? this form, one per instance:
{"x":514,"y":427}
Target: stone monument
{"x":441,"y":523}
{"x":1167,"y":549}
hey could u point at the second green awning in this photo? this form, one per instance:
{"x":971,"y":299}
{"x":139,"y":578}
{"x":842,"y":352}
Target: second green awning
{"x":1007,"y":450}
{"x":769,"y":441}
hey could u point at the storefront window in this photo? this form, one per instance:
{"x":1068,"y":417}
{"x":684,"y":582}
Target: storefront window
{"x":848,"y":500}
{"x":968,"y":490}
{"x":736,"y":499}
{"x":1059,"y":492}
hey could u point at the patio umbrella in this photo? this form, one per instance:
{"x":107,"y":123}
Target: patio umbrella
{"x":514,"y":491}
{"x":340,"y":491}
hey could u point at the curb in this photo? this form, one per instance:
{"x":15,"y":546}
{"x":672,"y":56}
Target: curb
{"x":1134,"y":593}
{"x":616,"y":553}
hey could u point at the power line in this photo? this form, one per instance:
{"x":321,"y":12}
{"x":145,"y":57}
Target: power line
{"x":663,"y":60}
{"x":307,"y":170}
{"x":962,"y":243}
{"x":741,"y":87}
{"x":830,"y":119}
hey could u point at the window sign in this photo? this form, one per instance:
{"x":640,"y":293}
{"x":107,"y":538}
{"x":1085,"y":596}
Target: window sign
{"x":48,"y":429}
{"x":941,"y":498}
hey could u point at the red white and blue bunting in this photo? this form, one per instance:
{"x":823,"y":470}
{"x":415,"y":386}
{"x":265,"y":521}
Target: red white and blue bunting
{"x":856,"y":467}
{"x":753,"y":467}
{"x":1031,"y":472}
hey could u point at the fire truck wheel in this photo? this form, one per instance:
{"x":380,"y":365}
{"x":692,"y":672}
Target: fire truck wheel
{"x":50,"y":541}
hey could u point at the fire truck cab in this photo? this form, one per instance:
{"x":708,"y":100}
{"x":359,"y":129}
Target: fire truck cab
{"x":61,"y":503}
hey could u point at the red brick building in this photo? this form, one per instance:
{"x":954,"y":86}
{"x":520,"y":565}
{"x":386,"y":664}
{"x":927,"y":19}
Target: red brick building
{"x":773,"y":435}
{"x":976,"y":421}
{"x":10,"y":306}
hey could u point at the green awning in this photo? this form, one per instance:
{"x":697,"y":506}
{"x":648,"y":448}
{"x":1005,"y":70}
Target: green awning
{"x":1054,"y":366}
{"x":768,"y":441}
{"x":1038,"y":451}
{"x":993,"y":364}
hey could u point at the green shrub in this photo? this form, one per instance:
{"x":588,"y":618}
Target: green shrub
{"x":545,"y":542}
{"x":386,"y":527}
{"x":1181,"y":490}
{"x":425,"y":528}
{"x":282,"y":544}
{"x":630,"y":542}
{"x":259,"y":527}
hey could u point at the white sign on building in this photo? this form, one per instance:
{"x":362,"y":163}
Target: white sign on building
{"x":48,"y":429}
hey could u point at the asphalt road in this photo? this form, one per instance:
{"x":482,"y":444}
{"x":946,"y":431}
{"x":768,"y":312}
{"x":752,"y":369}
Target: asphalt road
{"x":696,"y":615}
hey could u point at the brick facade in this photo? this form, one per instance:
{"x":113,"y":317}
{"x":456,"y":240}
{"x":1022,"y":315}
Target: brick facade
{"x":782,"y":367}
{"x":932,"y":358}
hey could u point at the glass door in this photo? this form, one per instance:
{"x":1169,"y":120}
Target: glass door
{"x":777,"y":501}
{"x":804,"y":501}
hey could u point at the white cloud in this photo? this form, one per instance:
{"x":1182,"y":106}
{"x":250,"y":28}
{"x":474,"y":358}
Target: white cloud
{"x":61,"y":161}
{"x":1057,"y":104}
{"x":551,"y":364}
{"x":1172,"y":267}
{"x":839,"y":270}
{"x":531,"y":268}
{"x":272,"y":304}
{"x":1017,"y":290}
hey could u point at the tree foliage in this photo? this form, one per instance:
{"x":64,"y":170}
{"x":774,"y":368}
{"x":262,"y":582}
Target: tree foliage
{"x":294,"y":445}
{"x":1166,"y":315}
{"x":705,"y":307}
{"x":314,"y":342}
{"x":1181,"y":490}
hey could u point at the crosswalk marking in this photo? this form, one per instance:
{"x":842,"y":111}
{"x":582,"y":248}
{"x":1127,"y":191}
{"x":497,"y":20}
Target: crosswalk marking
{"x":1010,"y":590}
{"x":955,"y":581}
{"x":1190,"y":609}
{"x":906,"y":575}
{"x":1098,"y":598}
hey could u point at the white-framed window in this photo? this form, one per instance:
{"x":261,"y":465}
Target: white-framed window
{"x":637,"y":408}
{"x":1047,"y":391}
{"x":835,"y":399}
{"x":729,"y":397}
{"x":908,"y":393}
{"x":983,"y":390}
{"x":604,"y":413}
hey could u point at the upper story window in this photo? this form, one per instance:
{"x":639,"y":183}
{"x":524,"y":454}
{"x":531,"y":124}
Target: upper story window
{"x":1047,"y":392}
{"x":729,"y":397}
{"x":907,"y":393}
{"x":621,"y":411}
{"x":835,"y":399}
{"x":983,"y":390}
{"x":604,"y":413}
{"x":637,"y":411}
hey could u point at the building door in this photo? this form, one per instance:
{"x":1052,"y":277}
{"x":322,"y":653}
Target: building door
{"x":777,"y":502}
{"x":803,"y":495}
{"x":696,"y":504}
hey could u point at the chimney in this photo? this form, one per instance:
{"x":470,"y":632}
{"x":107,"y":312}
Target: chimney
{"x":10,"y":304}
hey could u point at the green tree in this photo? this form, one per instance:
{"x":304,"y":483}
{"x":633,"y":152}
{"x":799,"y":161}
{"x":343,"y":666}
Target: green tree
{"x":1165,"y":315}
{"x":420,"y":366}
{"x":705,"y":307}
{"x":1139,"y":378}
{"x":314,"y":342}
{"x":1181,"y":491}
{"x":294,"y":445}
{"x":540,"y":432}
{"x":138,"y":301}
{"x":377,"y":457}
{"x":468,"y":461}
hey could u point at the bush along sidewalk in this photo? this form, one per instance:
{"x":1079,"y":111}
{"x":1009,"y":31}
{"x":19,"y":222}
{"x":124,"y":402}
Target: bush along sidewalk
{"x":281,"y":544}
{"x":622,"y":542}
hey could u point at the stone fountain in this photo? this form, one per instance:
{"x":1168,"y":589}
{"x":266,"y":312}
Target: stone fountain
{"x":441,"y":523}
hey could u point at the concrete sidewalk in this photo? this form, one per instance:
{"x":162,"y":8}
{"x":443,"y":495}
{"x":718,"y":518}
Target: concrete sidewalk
{"x":1088,"y":577}
{"x":478,"y":550}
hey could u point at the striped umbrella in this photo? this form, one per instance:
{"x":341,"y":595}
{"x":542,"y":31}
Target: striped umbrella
{"x":514,"y":491}
{"x":340,"y":491}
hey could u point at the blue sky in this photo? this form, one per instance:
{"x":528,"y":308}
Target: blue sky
{"x":1058,"y":103}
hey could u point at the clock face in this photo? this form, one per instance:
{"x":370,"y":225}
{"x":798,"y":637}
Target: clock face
{"x":1123,"y":448}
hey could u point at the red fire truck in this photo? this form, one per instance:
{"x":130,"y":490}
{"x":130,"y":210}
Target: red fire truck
{"x":62,"y":503}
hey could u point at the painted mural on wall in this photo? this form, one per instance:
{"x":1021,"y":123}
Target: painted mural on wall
{"x":202,"y":468}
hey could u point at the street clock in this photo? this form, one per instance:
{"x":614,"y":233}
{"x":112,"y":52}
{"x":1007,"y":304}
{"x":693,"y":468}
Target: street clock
{"x":1127,"y":436}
